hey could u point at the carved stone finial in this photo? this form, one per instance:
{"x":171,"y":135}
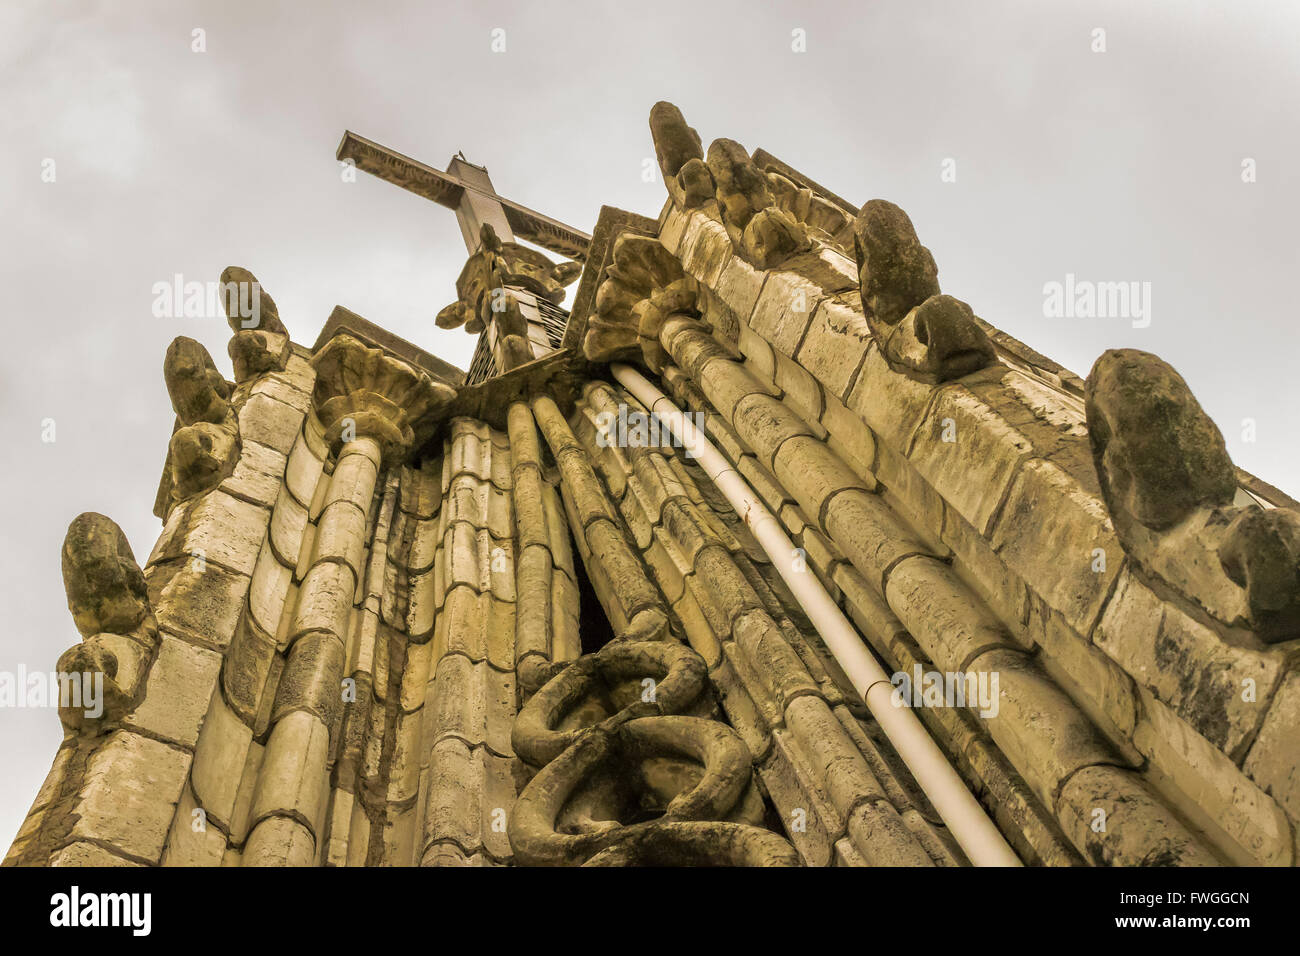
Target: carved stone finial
{"x":365,"y":392}
{"x":764,"y":234}
{"x":198,"y":391}
{"x":681,"y":157}
{"x":255,"y":307}
{"x":459,"y":314}
{"x":895,"y":271}
{"x":105,"y":586}
{"x":917,"y":329}
{"x":483,"y":284}
{"x":110,"y":607}
{"x":1158,"y":455}
{"x":740,"y":188}
{"x":261,"y":342}
{"x":206,"y":449}
{"x":1170,"y":488}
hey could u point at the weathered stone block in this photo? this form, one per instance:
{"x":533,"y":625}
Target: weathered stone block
{"x":1139,"y":830}
{"x":1211,"y":790}
{"x":1105,"y":692}
{"x":969,"y":454}
{"x":705,"y":249}
{"x":891,"y":404}
{"x":341,"y":537}
{"x":883,"y":839}
{"x":191,"y":842}
{"x":836,"y":344}
{"x":772,"y":658}
{"x":283,"y":388}
{"x":984,"y":572}
{"x":842,"y":772}
{"x":178,"y":691}
{"x":801,"y":391}
{"x":453,"y":809}
{"x":868,"y":533}
{"x":325,"y":600}
{"x":219,"y":760}
{"x":1058,"y":538}
{"x":288,"y":524}
{"x":222,"y":530}
{"x":129,"y":795}
{"x":798,"y":800}
{"x":202,"y":605}
{"x":785,"y":309}
{"x":311,"y":679}
{"x":739,"y":286}
{"x":850,"y":438}
{"x":674,"y":224}
{"x":280,"y":841}
{"x":827,"y":266}
{"x":760,"y":357}
{"x":257,"y":475}
{"x":1037,"y":727}
{"x":813,"y":474}
{"x":940,"y":614}
{"x":268,"y":590}
{"x":353,"y":481}
{"x":1274,"y":759}
{"x":303,"y":472}
{"x":1219,"y":689}
{"x":88,"y":855}
{"x":263,"y":419}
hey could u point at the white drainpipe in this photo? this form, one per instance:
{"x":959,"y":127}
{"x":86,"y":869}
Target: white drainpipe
{"x":966,"y":820}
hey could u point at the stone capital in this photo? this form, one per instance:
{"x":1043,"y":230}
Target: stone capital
{"x":364,"y":392}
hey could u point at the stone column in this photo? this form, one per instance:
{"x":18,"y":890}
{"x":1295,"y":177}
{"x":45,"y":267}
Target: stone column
{"x":635,"y":605}
{"x":772,"y":682}
{"x":287,"y":804}
{"x":366,"y":401}
{"x":1044,"y":734}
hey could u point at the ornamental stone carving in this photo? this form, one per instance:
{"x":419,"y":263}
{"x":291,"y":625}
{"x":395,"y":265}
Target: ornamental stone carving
{"x":919,"y":331}
{"x":205,"y":449}
{"x":1171,"y":490}
{"x":362,"y":391}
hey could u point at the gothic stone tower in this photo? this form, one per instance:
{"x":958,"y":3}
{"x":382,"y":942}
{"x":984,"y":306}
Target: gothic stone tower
{"x":400,"y":615}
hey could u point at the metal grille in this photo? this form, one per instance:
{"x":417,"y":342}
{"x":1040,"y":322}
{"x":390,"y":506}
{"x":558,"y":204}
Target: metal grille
{"x":554,"y":321}
{"x":483,"y":365}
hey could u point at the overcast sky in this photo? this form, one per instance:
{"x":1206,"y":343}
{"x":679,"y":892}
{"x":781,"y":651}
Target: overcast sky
{"x":1123,"y":165}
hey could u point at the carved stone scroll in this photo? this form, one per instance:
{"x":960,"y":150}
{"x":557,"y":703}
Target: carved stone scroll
{"x":627,"y":777}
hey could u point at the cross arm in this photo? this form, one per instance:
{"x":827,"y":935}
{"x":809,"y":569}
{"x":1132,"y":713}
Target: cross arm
{"x":447,"y":190}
